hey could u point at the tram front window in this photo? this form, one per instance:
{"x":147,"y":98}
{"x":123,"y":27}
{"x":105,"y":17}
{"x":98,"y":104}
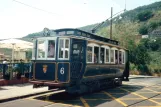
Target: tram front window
{"x":41,"y":49}
{"x":51,"y":49}
{"x":63,"y":48}
{"x":66,"y":48}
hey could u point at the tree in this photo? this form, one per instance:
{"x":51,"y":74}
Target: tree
{"x":138,"y":54}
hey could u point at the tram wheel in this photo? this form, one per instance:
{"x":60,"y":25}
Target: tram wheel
{"x":118,"y":82}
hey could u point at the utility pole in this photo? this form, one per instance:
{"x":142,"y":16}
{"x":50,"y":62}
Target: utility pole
{"x":111,"y":23}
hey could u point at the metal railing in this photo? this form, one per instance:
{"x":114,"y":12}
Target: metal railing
{"x":11,"y":71}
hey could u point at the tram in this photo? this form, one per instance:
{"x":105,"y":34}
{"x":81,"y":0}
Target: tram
{"x":78,"y":61}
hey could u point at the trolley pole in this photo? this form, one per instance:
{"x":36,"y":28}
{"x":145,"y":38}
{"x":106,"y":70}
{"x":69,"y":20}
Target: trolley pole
{"x":111,"y":23}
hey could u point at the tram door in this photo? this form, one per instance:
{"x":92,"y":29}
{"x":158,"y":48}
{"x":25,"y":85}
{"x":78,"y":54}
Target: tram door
{"x":77,"y":57}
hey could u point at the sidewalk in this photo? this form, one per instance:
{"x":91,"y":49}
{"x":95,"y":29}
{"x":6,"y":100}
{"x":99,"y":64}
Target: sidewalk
{"x":8,"y":93}
{"x":140,"y":76}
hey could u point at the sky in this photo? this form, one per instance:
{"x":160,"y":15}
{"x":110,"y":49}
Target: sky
{"x":19,"y":18}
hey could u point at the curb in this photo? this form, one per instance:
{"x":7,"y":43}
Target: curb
{"x":23,"y":96}
{"x":134,"y":77}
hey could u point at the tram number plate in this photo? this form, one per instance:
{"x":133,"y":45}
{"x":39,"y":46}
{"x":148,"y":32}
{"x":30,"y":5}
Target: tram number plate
{"x":62,"y":70}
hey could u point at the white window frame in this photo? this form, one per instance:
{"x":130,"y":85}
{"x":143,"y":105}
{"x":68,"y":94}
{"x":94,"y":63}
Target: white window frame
{"x":113,"y":48}
{"x":107,"y":47}
{"x":122,"y":54}
{"x":64,"y":49}
{"x":104,"y":53}
{"x":92,"y":54}
{"x":45,"y":41}
{"x":46,"y":48}
{"x":98,"y":53}
{"x":93,"y":45}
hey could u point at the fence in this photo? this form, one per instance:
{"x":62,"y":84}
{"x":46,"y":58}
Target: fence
{"x":11,"y":71}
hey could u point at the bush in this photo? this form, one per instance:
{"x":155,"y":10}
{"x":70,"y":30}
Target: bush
{"x":143,"y":16}
{"x":153,"y":25}
{"x":143,"y":30}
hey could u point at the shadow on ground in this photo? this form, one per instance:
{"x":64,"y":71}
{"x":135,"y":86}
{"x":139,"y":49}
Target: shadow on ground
{"x":92,"y":99}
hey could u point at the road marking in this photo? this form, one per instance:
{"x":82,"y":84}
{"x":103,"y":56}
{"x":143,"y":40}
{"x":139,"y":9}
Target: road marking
{"x":148,"y":106}
{"x":155,"y":86}
{"x":49,"y":93}
{"x":153,"y":91}
{"x":149,"y":92}
{"x":131,"y":98}
{"x":156,"y":98}
{"x":40,"y":100}
{"x":84,"y":102}
{"x":140,"y":96}
{"x":52,"y":102}
{"x":118,"y":100}
{"x":51,"y":105}
{"x":118,"y":93}
{"x":98,"y":99}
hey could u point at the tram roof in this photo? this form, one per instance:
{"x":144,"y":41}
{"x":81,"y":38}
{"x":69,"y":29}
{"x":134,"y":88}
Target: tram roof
{"x":78,"y":32}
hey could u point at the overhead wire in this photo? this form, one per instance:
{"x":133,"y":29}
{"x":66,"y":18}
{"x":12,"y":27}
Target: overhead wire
{"x":36,"y":7}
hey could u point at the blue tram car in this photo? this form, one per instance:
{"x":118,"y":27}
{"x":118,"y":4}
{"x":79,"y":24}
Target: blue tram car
{"x":78,"y":61}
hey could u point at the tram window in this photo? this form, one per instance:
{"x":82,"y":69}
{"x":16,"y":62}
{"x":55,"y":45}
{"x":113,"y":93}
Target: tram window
{"x":112,"y":55}
{"x":89,"y":54}
{"x":41,"y":49}
{"x":96,"y":54}
{"x":67,"y":43}
{"x":107,"y":55}
{"x":51,"y":49}
{"x":123,"y":57}
{"x":120,"y":57}
{"x":116,"y":56}
{"x":66,"y":48}
{"x":102,"y":55}
{"x":66,"y":53}
{"x":63,"y":48}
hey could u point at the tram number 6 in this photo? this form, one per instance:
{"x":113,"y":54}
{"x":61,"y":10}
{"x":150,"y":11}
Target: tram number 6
{"x":62,"y":70}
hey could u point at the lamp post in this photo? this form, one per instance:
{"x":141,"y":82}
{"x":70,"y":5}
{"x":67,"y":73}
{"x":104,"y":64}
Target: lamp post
{"x":111,"y":23}
{"x":13,"y":44}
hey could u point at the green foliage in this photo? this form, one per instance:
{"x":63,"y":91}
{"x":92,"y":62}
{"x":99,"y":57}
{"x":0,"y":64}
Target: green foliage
{"x":139,"y":56}
{"x":32,"y":35}
{"x":142,"y":55}
{"x":151,"y":44}
{"x":153,"y":25}
{"x":143,"y":30}
{"x":145,"y":15}
{"x":132,"y":14}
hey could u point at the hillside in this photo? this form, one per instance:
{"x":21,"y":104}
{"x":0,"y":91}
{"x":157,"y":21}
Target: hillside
{"x":127,"y":17}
